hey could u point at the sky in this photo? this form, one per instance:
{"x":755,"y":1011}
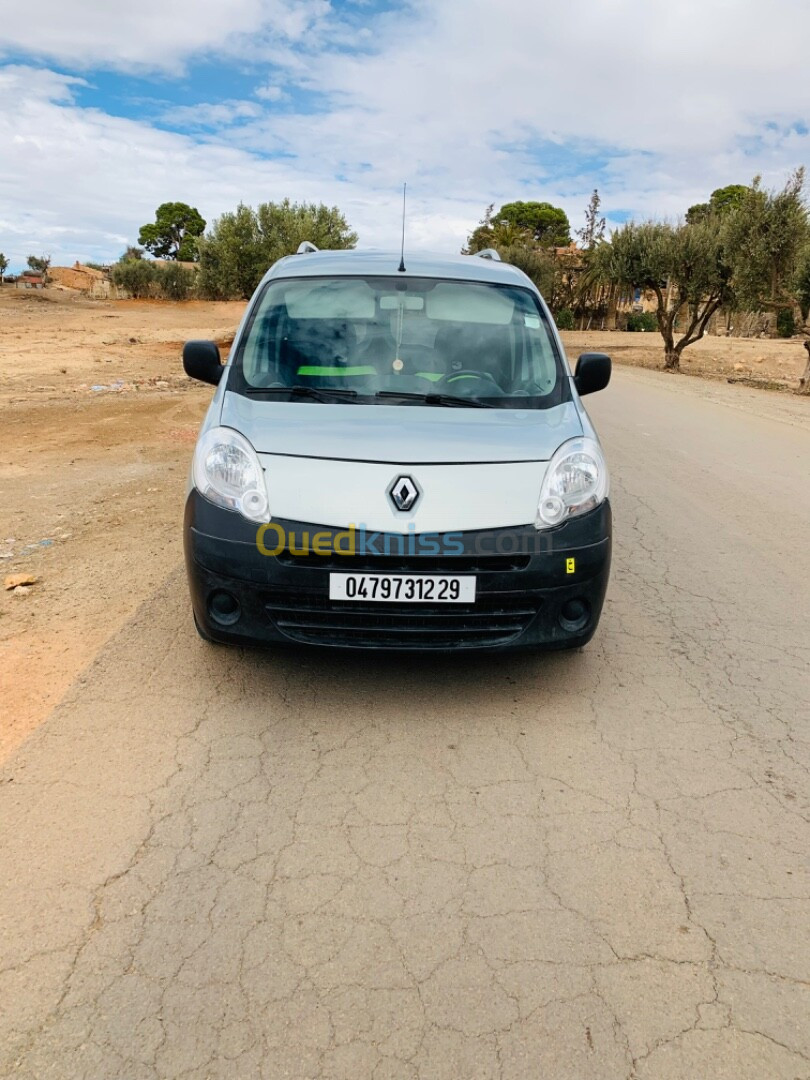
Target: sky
{"x":107,"y":110}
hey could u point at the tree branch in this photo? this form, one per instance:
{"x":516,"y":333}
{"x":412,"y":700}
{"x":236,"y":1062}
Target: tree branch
{"x":700,"y":323}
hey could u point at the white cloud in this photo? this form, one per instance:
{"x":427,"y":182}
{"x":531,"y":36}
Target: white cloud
{"x":270,"y":93}
{"x":79,"y":183}
{"x":210,"y":114}
{"x":471,"y":101}
{"x":151,"y":34}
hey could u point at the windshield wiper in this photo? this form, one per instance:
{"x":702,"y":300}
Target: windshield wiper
{"x":317,"y":392}
{"x":436,"y":399}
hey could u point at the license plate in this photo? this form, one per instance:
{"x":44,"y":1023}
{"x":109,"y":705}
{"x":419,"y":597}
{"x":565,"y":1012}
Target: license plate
{"x":403,"y":588}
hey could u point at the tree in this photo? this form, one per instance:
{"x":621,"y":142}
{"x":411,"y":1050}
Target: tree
{"x":728,"y":198}
{"x":515,"y":245}
{"x":721,"y":202}
{"x":131,"y":252}
{"x":520,"y":224}
{"x":593,"y":232}
{"x":242,"y":245}
{"x":174,"y":233}
{"x":697,"y":213}
{"x":768,"y":237}
{"x":538,"y":266}
{"x":684,"y":265}
{"x":488,"y":234}
{"x":3,"y":265}
{"x":801,"y":282}
{"x":765,"y":234}
{"x":801,"y":290}
{"x":587,"y":293}
{"x":40,"y":264}
{"x":548,"y":224}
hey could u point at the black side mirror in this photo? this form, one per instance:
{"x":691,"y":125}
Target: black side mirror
{"x":201,"y":360}
{"x":592,"y":373}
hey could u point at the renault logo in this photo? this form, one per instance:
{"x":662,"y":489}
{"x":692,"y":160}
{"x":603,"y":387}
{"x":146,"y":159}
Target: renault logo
{"x":404,"y":493}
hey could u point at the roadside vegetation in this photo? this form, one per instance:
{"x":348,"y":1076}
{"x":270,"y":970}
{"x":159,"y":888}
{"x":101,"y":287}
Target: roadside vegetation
{"x":739,"y":260}
{"x":737,"y":264}
{"x":237,"y":251}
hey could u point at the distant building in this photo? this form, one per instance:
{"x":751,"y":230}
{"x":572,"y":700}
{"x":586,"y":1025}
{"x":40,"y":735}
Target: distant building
{"x":30,"y":279}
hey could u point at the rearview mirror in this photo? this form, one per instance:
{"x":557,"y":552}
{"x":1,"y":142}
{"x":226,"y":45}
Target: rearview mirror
{"x":201,"y":360}
{"x":592,"y":372}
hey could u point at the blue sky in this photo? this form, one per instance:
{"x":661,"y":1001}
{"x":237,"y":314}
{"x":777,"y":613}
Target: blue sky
{"x":108,"y":110}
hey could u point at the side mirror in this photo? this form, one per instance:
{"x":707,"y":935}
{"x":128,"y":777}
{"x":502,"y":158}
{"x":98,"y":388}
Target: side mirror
{"x":201,"y":360}
{"x":592,"y":372}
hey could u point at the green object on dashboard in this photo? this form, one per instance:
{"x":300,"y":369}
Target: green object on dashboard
{"x":315,"y":369}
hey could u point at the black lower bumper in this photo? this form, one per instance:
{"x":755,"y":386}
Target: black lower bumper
{"x":533,"y":590}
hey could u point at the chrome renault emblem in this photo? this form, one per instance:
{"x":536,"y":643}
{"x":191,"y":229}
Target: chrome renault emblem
{"x":403,"y":493}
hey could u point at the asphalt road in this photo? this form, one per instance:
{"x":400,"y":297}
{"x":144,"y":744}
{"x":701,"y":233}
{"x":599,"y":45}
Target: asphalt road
{"x":236,"y":865}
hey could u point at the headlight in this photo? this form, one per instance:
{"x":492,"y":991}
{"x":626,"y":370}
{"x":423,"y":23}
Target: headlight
{"x":227,"y":471}
{"x":576,"y":481}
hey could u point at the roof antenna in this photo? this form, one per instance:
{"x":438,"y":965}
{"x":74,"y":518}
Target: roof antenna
{"x":401,"y":267}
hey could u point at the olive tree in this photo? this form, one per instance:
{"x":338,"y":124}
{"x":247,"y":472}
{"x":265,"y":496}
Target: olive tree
{"x":3,"y":265}
{"x":768,"y":240}
{"x":243,"y":244}
{"x":801,"y":290}
{"x":135,"y":276}
{"x":40,"y":264}
{"x":686,"y":268}
{"x":765,"y":235}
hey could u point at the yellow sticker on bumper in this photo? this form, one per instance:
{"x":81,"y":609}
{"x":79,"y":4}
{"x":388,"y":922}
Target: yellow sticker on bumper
{"x":570,"y":566}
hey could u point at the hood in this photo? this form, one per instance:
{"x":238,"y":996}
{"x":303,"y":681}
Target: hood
{"x":401,"y":434}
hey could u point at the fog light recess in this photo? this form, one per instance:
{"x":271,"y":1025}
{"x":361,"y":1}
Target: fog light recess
{"x":575,"y":615}
{"x":223,"y":608}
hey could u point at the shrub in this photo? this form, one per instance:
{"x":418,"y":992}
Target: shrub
{"x":174,"y":282}
{"x":642,"y":321}
{"x":136,"y":276}
{"x":565,"y":319}
{"x":785,"y":323}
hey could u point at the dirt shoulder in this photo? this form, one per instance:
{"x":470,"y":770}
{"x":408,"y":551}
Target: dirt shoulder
{"x":99,"y":423}
{"x":770,"y":364}
{"x":58,"y":343}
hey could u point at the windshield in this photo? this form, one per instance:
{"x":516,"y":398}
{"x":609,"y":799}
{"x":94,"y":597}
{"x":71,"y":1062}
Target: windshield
{"x":370,"y":340}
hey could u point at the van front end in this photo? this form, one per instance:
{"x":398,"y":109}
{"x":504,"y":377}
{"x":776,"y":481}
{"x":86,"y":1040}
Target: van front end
{"x":300,"y":582}
{"x":397,"y":458}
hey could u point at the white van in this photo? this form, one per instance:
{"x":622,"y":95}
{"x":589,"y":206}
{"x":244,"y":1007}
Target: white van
{"x":397,"y":459}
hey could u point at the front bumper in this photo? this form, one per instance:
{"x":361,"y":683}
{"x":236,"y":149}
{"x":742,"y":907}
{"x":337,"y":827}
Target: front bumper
{"x":527,"y":584}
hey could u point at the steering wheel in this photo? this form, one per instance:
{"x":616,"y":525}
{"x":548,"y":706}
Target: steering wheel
{"x":469,"y":373}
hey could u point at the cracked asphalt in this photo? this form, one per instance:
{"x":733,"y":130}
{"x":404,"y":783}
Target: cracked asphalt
{"x":232,"y":864}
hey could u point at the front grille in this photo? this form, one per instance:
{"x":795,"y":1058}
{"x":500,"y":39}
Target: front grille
{"x":407,"y":564}
{"x":312,"y":618}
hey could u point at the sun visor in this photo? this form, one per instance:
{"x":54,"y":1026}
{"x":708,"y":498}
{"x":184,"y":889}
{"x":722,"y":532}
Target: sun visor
{"x":329,"y":300}
{"x":449,"y":302}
